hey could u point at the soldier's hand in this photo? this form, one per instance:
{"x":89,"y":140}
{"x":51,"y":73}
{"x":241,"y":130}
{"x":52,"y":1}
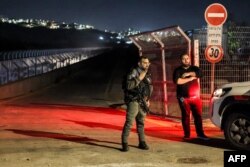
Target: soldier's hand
{"x":142,"y":75}
{"x":148,"y":103}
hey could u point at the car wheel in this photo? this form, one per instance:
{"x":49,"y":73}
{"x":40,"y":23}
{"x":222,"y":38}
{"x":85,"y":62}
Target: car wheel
{"x":237,"y":130}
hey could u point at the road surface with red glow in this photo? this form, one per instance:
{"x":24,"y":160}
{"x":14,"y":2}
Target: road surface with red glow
{"x":70,"y":124}
{"x":42,"y":134}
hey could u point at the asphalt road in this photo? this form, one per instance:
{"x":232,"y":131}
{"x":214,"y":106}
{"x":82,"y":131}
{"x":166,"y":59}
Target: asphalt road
{"x":78,"y":122}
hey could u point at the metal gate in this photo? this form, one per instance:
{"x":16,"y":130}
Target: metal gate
{"x":163,"y":47}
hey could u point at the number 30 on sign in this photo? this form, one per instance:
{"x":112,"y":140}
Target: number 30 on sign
{"x":214,"y":53}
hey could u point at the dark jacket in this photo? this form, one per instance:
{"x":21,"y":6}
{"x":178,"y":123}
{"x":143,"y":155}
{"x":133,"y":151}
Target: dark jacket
{"x":134,"y":86}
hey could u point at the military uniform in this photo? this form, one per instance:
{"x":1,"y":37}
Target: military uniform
{"x":132,"y":89}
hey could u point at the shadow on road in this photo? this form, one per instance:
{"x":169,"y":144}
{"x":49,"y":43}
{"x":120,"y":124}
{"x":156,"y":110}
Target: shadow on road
{"x":66,"y":137}
{"x":162,"y":128}
{"x":97,"y":125}
{"x":168,"y":133}
{"x":213,"y":142}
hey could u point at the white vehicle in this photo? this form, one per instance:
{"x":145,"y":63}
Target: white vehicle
{"x":230,"y":110}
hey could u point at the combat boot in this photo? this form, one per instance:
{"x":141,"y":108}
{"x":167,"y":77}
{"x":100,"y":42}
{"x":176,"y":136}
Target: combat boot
{"x":143,"y":145}
{"x":125,"y":147}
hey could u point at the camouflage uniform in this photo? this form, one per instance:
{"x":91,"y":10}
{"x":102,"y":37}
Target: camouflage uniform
{"x":134,"y":112}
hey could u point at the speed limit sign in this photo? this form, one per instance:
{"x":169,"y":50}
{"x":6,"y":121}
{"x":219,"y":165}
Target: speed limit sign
{"x":214,"y":53}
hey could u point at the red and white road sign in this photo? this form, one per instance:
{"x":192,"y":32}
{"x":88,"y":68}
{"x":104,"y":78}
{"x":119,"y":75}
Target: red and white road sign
{"x":214,"y":53}
{"x":215,"y":14}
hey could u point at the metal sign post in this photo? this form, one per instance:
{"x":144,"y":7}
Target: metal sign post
{"x":215,"y":16}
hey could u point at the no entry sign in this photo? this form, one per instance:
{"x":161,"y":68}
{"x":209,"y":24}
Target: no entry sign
{"x":215,"y":14}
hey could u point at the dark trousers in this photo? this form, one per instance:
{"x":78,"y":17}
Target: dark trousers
{"x":193,"y":105}
{"x":134,"y":112}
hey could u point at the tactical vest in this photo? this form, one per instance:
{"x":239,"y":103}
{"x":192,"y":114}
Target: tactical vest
{"x":144,"y":88}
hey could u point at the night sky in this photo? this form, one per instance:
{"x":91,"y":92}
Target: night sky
{"x":119,"y":15}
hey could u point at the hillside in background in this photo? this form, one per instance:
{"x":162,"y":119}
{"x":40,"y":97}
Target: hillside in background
{"x":15,"y":37}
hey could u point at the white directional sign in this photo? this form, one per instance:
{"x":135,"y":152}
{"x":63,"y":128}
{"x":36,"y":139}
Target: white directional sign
{"x":214,"y":35}
{"x":196,"y":53}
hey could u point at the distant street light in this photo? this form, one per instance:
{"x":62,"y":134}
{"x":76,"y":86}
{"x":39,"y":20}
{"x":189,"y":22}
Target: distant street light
{"x":101,"y":38}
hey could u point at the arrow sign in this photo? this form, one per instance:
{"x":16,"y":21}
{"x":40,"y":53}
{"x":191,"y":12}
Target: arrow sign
{"x":215,"y":14}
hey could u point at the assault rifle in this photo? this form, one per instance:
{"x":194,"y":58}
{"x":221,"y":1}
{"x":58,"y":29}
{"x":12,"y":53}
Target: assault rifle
{"x":143,"y":105}
{"x":142,"y":102}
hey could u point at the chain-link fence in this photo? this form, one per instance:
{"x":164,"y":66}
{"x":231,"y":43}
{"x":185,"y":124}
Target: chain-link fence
{"x":170,"y":42}
{"x":23,"y":64}
{"x":235,"y":65}
{"x":163,"y":47}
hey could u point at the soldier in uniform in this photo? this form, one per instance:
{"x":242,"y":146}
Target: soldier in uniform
{"x":137,"y":85}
